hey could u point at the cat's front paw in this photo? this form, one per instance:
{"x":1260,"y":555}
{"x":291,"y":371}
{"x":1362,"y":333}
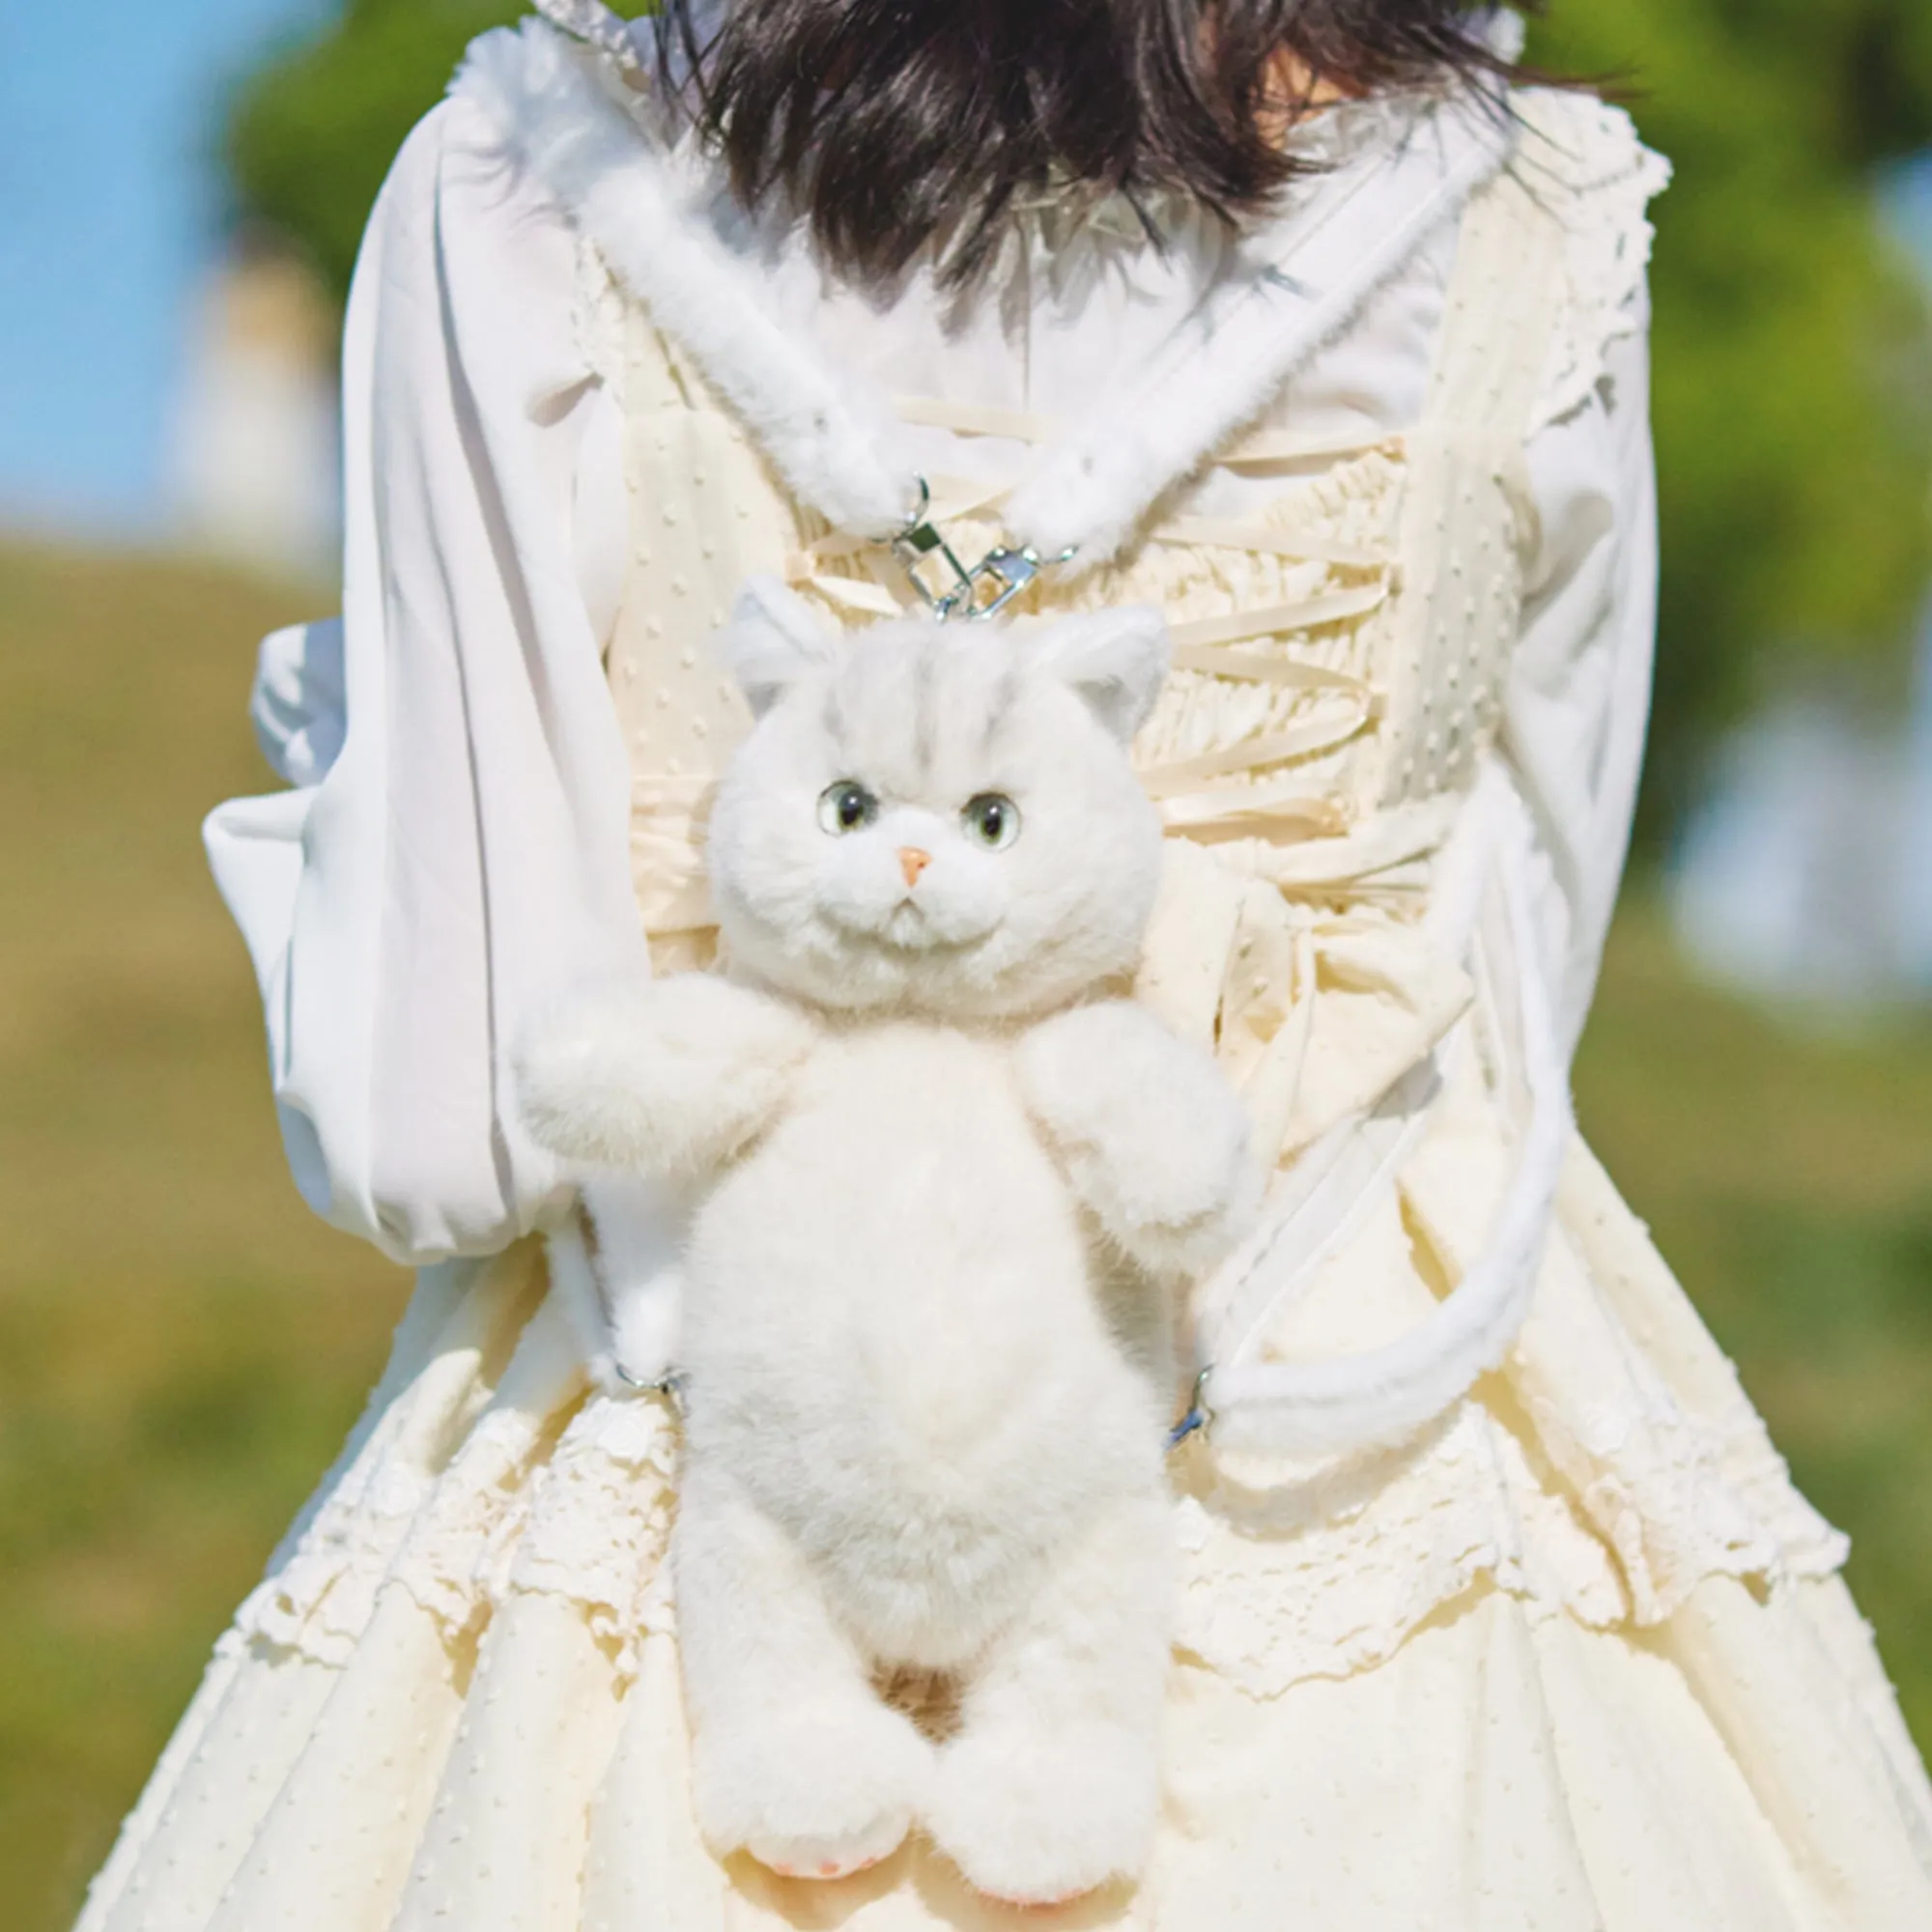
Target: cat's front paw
{"x":1155,"y":1139}
{"x":1034,"y":1818}
{"x":820,"y":1791}
{"x":663,"y":1078}
{"x":1191,"y":1222}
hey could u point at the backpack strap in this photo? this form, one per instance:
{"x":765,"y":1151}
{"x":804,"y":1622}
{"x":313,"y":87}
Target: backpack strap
{"x":638,"y":197}
{"x":1504,"y":303}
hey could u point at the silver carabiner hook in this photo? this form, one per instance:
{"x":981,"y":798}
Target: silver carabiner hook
{"x":920,"y":547}
{"x":976,"y":593}
{"x":1197,"y":1415}
{"x":670,"y":1386}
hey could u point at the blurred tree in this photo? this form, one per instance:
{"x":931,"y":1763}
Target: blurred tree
{"x":1793,"y":359}
{"x":310,"y":138}
{"x":1793,"y":366}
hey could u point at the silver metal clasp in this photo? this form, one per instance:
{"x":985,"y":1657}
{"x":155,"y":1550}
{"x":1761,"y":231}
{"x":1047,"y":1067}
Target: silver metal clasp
{"x":1197,"y":1415}
{"x":941,"y":582}
{"x":950,"y":589}
{"x":1001,"y":574}
{"x":670,"y":1386}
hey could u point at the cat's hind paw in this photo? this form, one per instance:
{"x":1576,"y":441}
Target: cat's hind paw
{"x":814,"y":1792}
{"x":1037,"y":1821}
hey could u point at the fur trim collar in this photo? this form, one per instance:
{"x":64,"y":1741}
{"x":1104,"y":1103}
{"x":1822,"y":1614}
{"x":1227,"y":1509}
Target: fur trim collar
{"x":558,"y":108}
{"x":1360,"y":224}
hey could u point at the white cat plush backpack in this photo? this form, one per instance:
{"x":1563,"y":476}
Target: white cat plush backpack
{"x":939,"y":1189}
{"x":912,"y":1077}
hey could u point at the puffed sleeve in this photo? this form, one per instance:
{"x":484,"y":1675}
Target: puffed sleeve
{"x":1578,"y":699}
{"x":455,"y":844}
{"x":1578,"y":695}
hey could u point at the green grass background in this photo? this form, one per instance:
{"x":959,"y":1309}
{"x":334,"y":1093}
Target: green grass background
{"x":182,"y":1346}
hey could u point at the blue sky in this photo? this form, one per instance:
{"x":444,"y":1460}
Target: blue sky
{"x":1908,"y":198}
{"x":109,"y":212}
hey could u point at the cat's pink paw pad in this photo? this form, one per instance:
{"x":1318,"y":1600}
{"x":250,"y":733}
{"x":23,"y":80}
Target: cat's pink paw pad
{"x":827,"y":1868}
{"x":849,"y":1867}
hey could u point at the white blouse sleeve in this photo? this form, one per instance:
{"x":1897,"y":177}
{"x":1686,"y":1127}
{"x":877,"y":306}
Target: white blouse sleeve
{"x":1578,"y":698}
{"x":456,"y":846}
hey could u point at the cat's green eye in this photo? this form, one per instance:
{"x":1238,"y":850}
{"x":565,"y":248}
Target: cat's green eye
{"x":992,"y":818}
{"x":846,"y":807}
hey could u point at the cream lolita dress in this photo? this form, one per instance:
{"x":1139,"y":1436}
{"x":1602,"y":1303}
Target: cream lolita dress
{"x":1568,"y":1653}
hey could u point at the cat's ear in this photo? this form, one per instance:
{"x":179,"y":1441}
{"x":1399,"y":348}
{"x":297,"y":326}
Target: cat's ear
{"x":773,"y":639}
{"x":1115,"y":662}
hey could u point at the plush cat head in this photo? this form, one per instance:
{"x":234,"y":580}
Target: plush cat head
{"x":937,"y":818}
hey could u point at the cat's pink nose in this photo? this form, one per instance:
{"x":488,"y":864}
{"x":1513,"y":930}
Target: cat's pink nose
{"x":912,"y":863}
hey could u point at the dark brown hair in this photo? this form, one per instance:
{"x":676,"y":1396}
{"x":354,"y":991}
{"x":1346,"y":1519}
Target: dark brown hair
{"x":889,"y":123}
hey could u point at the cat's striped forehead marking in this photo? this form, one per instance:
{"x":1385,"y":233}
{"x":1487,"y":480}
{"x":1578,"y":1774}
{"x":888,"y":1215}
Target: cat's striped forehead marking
{"x":1006,"y":698}
{"x":924,"y":707}
{"x":901,"y":707}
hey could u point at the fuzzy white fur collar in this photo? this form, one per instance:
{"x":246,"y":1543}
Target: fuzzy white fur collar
{"x":1360,"y":224}
{"x":560,"y":109}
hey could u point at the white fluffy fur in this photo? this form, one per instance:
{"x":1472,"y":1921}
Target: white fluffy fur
{"x":672,"y":1085}
{"x":1093,"y":491}
{"x":618,"y":1264}
{"x":942,"y":1192}
{"x":985,"y":934}
{"x":557,"y":112}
